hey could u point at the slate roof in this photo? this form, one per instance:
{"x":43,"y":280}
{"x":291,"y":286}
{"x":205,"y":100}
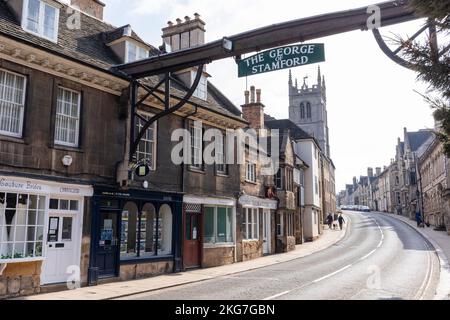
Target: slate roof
{"x":88,"y":46}
{"x":416,"y":139}
{"x":296,"y":132}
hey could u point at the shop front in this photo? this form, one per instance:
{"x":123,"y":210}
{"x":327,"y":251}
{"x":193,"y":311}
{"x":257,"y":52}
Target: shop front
{"x":135,"y":234}
{"x":209,"y":234}
{"x":40,"y":232}
{"x":258,"y":226}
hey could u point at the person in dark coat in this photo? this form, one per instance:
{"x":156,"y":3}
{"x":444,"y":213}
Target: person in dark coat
{"x":418,"y":219}
{"x":330,"y":220}
{"x":341,"y":221}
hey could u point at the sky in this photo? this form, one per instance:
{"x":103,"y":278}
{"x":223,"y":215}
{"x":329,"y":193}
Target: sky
{"x":370,"y":98}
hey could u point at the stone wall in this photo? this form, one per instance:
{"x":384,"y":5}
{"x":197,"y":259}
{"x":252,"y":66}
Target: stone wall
{"x":252,"y":250}
{"x":290,"y":244}
{"x":220,"y":256}
{"x":145,"y":270}
{"x":20,"y":279}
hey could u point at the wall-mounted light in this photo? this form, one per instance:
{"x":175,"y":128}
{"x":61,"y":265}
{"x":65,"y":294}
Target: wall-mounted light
{"x":145,"y":184}
{"x":67,"y":161}
{"x":227,"y":44}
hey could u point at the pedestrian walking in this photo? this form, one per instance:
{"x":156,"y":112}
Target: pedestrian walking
{"x":341,"y":221}
{"x":418,"y":219}
{"x":330,"y":220}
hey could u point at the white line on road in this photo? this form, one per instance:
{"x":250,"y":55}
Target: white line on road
{"x":277,"y":295}
{"x":332,"y":274}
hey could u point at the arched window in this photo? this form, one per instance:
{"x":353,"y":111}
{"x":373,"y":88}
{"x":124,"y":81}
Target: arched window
{"x":308,"y":110}
{"x":302,"y":110}
{"x":129,"y":230}
{"x":165,"y":227}
{"x":148,"y":221}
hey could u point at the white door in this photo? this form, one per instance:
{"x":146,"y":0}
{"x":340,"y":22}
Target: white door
{"x":61,"y":251}
{"x":266,"y":232}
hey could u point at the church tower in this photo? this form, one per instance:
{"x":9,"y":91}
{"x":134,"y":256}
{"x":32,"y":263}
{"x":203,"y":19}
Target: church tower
{"x":308,"y":109}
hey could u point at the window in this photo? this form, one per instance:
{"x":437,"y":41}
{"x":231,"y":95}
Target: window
{"x":279,"y":179}
{"x":289,"y":179}
{"x":12,"y":103}
{"x":147,"y":146}
{"x":290,"y":224}
{"x":250,"y":172}
{"x":218,"y":225}
{"x":135,"y":52}
{"x":67,"y":121}
{"x":64,"y":205}
{"x":280,"y":225}
{"x":302,"y":110}
{"x":147,"y":233}
{"x":221,"y":167}
{"x":308,"y":110}
{"x":202,"y":89}
{"x":196,"y":147}
{"x":22,"y":219}
{"x":41,"y":19}
{"x":251,"y":224}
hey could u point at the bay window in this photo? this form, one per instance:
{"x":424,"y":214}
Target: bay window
{"x":218,"y":225}
{"x":251,"y":224}
{"x":22,"y":220}
{"x":12,"y":103}
{"x":41,"y":18}
{"x":67,"y":123}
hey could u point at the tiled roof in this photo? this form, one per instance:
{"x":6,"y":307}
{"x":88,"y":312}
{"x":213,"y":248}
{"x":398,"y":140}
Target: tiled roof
{"x":416,"y":139}
{"x":88,"y":45}
{"x":296,"y":132}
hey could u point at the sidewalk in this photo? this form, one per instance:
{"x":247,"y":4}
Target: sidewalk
{"x":127,"y":288}
{"x":441,"y":242}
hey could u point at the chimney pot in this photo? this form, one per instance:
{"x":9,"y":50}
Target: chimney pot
{"x":170,"y":23}
{"x":252,"y":96}
{"x":247,"y":97}
{"x":187,"y":18}
{"x":179,"y":21}
{"x":258,"y":95}
{"x":91,"y":7}
{"x":197,"y":16}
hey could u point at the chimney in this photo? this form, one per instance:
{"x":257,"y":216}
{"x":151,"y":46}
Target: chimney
{"x":355,"y":181}
{"x":370,"y":172}
{"x":185,"y":34}
{"x":378,"y":170}
{"x":253,"y":110}
{"x":91,"y":7}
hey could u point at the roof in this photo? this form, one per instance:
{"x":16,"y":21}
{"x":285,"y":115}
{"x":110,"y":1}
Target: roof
{"x":88,"y":45}
{"x":416,"y":139}
{"x":296,"y":132}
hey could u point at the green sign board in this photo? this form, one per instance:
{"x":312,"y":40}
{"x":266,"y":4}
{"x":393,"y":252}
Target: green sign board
{"x":282,"y":58}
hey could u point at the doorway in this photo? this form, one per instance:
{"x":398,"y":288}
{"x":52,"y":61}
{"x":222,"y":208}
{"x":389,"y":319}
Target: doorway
{"x":267,"y":229}
{"x":192,"y":245}
{"x":107,"y":243}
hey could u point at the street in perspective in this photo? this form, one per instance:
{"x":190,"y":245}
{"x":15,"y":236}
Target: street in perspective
{"x":183,"y":151}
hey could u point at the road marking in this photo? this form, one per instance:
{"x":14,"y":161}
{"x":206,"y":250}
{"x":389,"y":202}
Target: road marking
{"x":278,"y":295}
{"x":368,"y":255}
{"x":332,"y":274}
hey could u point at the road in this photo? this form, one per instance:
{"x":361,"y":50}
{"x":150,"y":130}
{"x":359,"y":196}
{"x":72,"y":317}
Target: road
{"x":379,"y":258}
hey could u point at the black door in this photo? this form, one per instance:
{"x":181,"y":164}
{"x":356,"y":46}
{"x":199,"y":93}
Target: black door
{"x":108,"y":243}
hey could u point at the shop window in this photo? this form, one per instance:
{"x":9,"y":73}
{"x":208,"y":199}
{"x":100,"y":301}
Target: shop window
{"x":67,"y":123}
{"x":218,"y":225}
{"x":22,"y":218}
{"x":64,"y":205}
{"x":129,"y":230}
{"x":251,"y":224}
{"x":148,"y":230}
{"x":165,"y":230}
{"x":12,"y":103}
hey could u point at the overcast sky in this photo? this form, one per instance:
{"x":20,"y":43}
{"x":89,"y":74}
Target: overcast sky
{"x":370,"y":98}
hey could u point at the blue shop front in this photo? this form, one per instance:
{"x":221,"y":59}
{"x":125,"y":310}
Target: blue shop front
{"x":135,"y":234}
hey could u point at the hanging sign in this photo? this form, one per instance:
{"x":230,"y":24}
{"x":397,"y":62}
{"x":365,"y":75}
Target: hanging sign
{"x":142,"y":170}
{"x":282,"y":58}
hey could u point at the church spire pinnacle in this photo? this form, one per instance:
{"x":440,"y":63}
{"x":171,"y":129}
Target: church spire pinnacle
{"x":290,"y":77}
{"x":319,"y":78}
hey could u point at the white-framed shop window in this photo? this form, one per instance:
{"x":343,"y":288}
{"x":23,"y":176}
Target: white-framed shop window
{"x":147,"y":146}
{"x":218,"y":225}
{"x":67,"y":122}
{"x":41,"y":19}
{"x":22,"y":222}
{"x":12,"y":103}
{"x":251,"y":223}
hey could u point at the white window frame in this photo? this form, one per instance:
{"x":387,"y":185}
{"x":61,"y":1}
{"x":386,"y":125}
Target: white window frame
{"x":77,"y":135}
{"x":41,"y":21}
{"x":220,"y":156}
{"x":251,"y":224}
{"x":250,"y":172}
{"x":138,"y":52}
{"x":196,"y":146}
{"x":138,"y":126}
{"x":21,"y":107}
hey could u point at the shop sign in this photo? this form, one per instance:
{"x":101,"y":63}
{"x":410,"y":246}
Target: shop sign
{"x":258,"y":203}
{"x":282,"y":58}
{"x":35,"y":186}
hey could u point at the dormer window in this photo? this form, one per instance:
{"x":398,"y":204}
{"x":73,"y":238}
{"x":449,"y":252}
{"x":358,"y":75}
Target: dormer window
{"x":135,"y":52}
{"x":201,"y":92}
{"x":41,"y":18}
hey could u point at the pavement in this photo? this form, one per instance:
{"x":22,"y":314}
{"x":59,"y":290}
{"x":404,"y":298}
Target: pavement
{"x":124,"y":289}
{"x":441,"y":242}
